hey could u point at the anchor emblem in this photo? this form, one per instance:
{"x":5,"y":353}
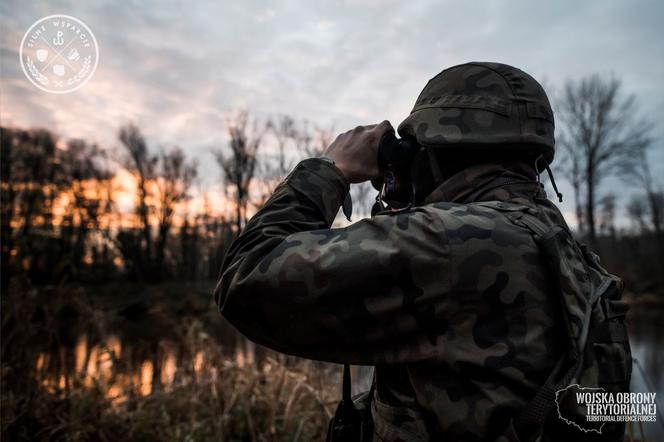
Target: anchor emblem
{"x":58,"y":40}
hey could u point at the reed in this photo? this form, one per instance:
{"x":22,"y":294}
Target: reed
{"x":91,"y":386}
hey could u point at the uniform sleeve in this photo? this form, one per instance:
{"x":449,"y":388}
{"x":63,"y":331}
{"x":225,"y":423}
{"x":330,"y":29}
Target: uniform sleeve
{"x":364,"y":294}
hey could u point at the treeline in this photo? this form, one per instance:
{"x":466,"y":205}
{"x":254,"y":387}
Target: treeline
{"x":62,"y":201}
{"x":60,"y":217}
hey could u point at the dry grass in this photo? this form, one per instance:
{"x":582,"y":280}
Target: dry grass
{"x":109,"y":390}
{"x":226,"y":402}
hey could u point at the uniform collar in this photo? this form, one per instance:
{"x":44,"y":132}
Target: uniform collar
{"x":489,"y":182}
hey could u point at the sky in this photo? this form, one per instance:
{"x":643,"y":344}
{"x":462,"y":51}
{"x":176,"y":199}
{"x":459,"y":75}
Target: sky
{"x":179,"y":69}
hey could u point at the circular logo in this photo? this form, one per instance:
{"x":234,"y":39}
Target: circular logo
{"x":59,"y":54}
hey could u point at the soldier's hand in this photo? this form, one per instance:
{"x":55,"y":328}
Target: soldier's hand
{"x":355,"y":152}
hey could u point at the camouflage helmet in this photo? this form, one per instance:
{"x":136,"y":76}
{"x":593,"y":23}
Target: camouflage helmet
{"x":483,"y":106}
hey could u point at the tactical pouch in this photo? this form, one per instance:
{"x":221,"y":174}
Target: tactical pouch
{"x":352,"y":421}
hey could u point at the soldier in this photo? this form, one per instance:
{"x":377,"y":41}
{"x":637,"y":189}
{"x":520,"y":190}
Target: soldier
{"x":449,"y":297}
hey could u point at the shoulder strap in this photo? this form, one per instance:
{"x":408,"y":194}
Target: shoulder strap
{"x":346,"y":425}
{"x":532,"y":419}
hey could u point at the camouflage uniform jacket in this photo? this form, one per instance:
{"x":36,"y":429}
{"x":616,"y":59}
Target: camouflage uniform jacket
{"x":449,"y":300}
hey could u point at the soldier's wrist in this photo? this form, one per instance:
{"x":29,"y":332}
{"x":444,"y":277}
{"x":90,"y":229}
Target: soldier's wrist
{"x":334,"y":166}
{"x":322,"y":183}
{"x":327,"y":159}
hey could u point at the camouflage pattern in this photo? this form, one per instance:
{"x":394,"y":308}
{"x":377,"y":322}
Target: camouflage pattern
{"x":451,"y":300}
{"x":483,"y":106}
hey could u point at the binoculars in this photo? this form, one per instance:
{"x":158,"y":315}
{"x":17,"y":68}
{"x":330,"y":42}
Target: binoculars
{"x":394,"y":183}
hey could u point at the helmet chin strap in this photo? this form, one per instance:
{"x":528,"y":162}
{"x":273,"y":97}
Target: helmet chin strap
{"x":553,"y":181}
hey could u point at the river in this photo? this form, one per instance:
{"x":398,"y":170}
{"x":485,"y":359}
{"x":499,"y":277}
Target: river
{"x":646,"y":327}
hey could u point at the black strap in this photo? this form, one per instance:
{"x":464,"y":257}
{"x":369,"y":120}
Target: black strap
{"x":347,"y":206}
{"x":553,"y":183}
{"x":346,"y":425}
{"x":533,"y":417}
{"x":347,"y":404}
{"x":346,"y":389}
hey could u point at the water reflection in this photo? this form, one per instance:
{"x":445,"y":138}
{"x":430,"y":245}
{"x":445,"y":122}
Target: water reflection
{"x":98,"y":367}
{"x":646,"y":338}
{"x":102,"y":366}
{"x":105,"y":367}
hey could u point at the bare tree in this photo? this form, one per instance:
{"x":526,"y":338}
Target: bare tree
{"x":36,"y":166}
{"x":274,"y":166}
{"x":239,"y":169}
{"x":602,"y":134}
{"x":312,"y":146}
{"x":656,"y":203}
{"x":87,"y":176}
{"x":285,"y":131}
{"x":142,"y":164}
{"x":175,"y":178}
{"x":636,"y":209}
{"x":607,"y":224}
{"x":640,"y":173}
{"x":571,"y":166}
{"x":240,"y":166}
{"x":294,"y":140}
{"x":32,"y":179}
